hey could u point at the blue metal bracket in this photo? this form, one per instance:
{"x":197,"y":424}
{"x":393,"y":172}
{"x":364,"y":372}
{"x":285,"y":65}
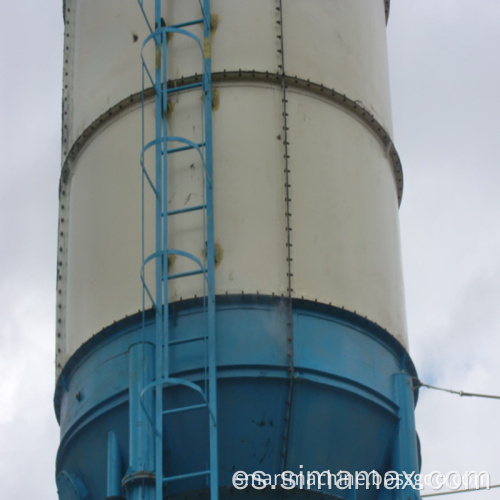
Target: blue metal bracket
{"x":71,"y":487}
{"x":405,"y":453}
{"x":114,"y":476}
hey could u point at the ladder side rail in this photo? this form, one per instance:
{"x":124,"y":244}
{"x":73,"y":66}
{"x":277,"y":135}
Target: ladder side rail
{"x":159,"y":264}
{"x":212,"y":359}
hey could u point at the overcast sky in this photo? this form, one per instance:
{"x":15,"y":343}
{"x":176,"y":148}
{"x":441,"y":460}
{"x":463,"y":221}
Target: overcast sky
{"x":444,"y":80}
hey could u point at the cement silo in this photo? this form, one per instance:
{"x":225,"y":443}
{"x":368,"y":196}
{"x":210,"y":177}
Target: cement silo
{"x":229,"y":279}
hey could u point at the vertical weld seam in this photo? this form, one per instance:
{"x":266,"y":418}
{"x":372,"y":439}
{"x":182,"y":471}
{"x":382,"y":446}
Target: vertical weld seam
{"x":289,"y":312}
{"x":64,"y":187}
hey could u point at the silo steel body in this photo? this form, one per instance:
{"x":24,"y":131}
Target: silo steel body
{"x":311,"y":349}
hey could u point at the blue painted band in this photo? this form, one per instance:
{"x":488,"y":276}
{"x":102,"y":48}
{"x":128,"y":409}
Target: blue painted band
{"x":345,"y":391}
{"x":127,"y":326}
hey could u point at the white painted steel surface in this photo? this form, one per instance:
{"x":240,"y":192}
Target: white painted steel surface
{"x":344,"y":201}
{"x":345,"y":234}
{"x":334,"y":43}
{"x":345,"y":48}
{"x":102,"y":58}
{"x":104,"y":233}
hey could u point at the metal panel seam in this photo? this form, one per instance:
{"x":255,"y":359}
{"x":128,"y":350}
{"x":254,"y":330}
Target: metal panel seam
{"x":351,"y":105}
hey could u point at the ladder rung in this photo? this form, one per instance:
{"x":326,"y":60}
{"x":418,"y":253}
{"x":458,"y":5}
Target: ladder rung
{"x":188,"y":209}
{"x":187,"y":273}
{"x":186,"y":476}
{"x":187,"y":23}
{"x":180,"y":88}
{"x":188,"y":340}
{"x":185,"y":408}
{"x":185,"y":148}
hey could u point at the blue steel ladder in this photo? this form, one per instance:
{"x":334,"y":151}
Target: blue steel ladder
{"x":155,"y":181}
